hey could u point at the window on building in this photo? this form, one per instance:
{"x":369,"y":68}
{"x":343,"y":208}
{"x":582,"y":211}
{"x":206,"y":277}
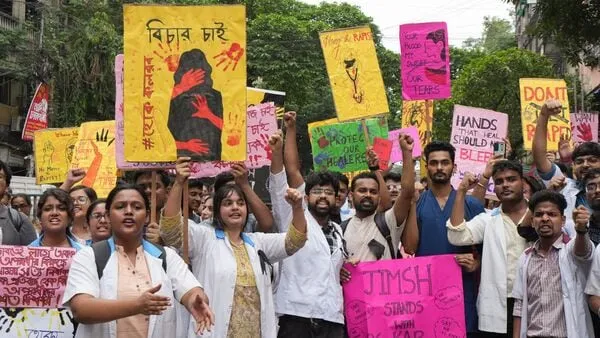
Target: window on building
{"x":5,"y":83}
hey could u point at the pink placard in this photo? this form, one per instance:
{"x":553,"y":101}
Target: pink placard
{"x":382,"y":147}
{"x":584,"y":127}
{"x":261,"y":123}
{"x":425,"y":59}
{"x":33,"y":277}
{"x":417,"y":297}
{"x":396,"y":151}
{"x":474,"y":131}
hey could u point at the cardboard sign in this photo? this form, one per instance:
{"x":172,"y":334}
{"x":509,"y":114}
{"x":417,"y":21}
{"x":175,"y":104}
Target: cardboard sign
{"x":425,"y":61}
{"x":418,"y":298}
{"x":383,"y":149}
{"x":95,"y":152}
{"x":396,"y":151}
{"x":584,"y":127}
{"x":256,"y":96}
{"x":420,"y":115}
{"x":53,"y":151}
{"x":33,"y":277}
{"x":120,"y":128}
{"x":37,"y":115}
{"x":474,"y":131}
{"x":185,"y":82}
{"x":534,"y":92}
{"x":354,"y":74}
{"x":341,"y":147}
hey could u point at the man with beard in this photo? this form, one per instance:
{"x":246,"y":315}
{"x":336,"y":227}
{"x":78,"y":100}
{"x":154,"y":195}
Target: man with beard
{"x":342,"y":210}
{"x":502,"y":245}
{"x":364,"y":232}
{"x":552,"y":274}
{"x":426,"y":233}
{"x":309,"y":295}
{"x":586,"y":156}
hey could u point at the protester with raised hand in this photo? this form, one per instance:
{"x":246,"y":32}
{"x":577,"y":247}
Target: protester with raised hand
{"x":55,"y":211}
{"x":502,"y":245}
{"x":138,"y":283}
{"x":586,"y":156}
{"x":552,"y":274}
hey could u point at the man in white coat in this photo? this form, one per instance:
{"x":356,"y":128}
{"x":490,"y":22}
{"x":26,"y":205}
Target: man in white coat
{"x":502,"y":244}
{"x":552,"y":274}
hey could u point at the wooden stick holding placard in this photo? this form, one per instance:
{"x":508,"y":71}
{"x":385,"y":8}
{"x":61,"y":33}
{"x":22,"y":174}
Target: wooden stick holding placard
{"x":363,"y":123}
{"x":153,"y":197}
{"x":186,"y":214}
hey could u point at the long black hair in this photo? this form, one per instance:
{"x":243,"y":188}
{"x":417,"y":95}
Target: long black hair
{"x":126,"y":186}
{"x":223,"y":193}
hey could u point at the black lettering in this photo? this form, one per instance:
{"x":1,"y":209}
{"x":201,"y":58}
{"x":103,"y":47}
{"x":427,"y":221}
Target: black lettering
{"x":408,"y":280}
{"x":426,"y":280}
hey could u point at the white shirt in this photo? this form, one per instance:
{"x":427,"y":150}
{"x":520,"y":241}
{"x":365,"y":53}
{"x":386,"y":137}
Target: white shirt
{"x":309,"y":281}
{"x":570,"y":192}
{"x":573,"y":277}
{"x":83,"y":279}
{"x":360,"y":232}
{"x":214,"y":264}
{"x":491,"y":230}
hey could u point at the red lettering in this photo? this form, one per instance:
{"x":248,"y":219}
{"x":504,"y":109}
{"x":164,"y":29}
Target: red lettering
{"x":475,"y":155}
{"x":528,"y":91}
{"x":530,"y":131}
{"x":541,"y":94}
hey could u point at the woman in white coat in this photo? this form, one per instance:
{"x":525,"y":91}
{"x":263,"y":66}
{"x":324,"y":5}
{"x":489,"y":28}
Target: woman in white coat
{"x":134,"y":296}
{"x":235,"y":267}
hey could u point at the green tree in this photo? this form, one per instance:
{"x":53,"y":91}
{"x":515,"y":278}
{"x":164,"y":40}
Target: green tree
{"x":498,"y":34}
{"x":572,"y":25}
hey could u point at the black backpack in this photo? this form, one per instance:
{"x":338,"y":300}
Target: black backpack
{"x":102,"y":254}
{"x":383,"y":229}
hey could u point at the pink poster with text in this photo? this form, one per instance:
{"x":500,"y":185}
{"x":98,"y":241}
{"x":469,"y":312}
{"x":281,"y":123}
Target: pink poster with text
{"x":425,"y":61}
{"x":584,"y":127}
{"x":418,"y":297}
{"x":396,"y":151}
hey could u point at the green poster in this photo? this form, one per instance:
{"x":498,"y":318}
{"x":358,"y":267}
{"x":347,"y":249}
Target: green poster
{"x":341,"y":146}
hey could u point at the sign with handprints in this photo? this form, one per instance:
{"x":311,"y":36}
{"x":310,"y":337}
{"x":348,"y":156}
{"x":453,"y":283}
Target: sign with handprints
{"x":95,"y":152}
{"x":53,"y":153}
{"x":425,"y":61}
{"x":185,"y":83}
{"x":261,"y":124}
{"x":420,"y":297}
{"x":256,"y":96}
{"x":354,"y":73}
{"x":584,"y":127}
{"x":534,"y":92}
{"x":342,"y":147}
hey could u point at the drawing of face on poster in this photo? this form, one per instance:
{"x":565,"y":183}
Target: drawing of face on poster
{"x":196,"y":109}
{"x":436,"y":51}
{"x":351,"y":66}
{"x":69,"y":149}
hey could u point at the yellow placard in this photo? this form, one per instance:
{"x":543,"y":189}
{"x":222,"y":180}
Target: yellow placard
{"x":534,"y":92}
{"x":95,"y":152}
{"x":185,"y":83}
{"x":256,"y":96}
{"x":53,"y":153}
{"x":354,"y":75}
{"x":419,"y":114}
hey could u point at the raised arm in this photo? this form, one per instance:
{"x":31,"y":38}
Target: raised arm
{"x":296,"y":235}
{"x":73,"y":176}
{"x":385,"y":202}
{"x":583,"y":245}
{"x":291,"y":159}
{"x":276,"y":146}
{"x":403,"y":202}
{"x":480,"y":190}
{"x":540,"y":138}
{"x":171,"y":221}
{"x":262,"y":213}
{"x":458,"y":209}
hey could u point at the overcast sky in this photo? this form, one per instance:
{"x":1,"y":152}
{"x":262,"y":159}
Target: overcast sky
{"x":464,"y":17}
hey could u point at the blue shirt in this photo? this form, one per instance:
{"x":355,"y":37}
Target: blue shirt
{"x":433,"y":240}
{"x":38,"y":243}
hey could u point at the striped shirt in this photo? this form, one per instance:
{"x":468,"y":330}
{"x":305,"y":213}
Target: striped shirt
{"x":545,"y":308}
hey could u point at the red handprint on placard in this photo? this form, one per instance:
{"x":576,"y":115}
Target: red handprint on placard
{"x":189,"y":80}
{"x":585,"y":132}
{"x":231,"y":56}
{"x":264,"y":142}
{"x":194,"y":145}
{"x":233,"y":130}
{"x":170,"y":57}
{"x":203,"y":111}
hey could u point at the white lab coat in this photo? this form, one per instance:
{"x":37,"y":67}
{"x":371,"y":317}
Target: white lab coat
{"x":573,"y":278}
{"x":83,"y":279}
{"x":214,"y":264}
{"x":488,"y":229}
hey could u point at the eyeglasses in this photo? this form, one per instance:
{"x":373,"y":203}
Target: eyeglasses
{"x":80,"y":200}
{"x":19,"y":206}
{"x":98,"y":216}
{"x":320,"y":191}
{"x":591,"y":187}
